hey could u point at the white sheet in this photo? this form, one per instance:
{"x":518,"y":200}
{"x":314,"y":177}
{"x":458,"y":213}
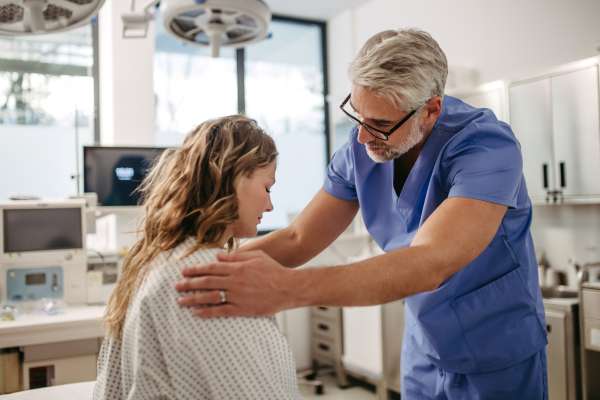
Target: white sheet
{"x":73,"y":391}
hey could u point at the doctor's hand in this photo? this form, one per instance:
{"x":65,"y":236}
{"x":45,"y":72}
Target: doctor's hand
{"x":254,"y":285}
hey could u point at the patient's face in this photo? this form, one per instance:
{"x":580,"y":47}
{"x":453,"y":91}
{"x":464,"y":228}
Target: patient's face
{"x":254,"y":199}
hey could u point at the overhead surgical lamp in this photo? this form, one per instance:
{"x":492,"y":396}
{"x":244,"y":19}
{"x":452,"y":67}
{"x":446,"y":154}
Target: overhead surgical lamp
{"x":36,"y":17}
{"x":207,"y":23}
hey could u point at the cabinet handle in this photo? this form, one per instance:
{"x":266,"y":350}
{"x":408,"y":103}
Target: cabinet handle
{"x":323,"y":327}
{"x":322,"y":308}
{"x":324,"y":347}
{"x":545,"y":171}
{"x":548,"y":328}
{"x":563,"y":178}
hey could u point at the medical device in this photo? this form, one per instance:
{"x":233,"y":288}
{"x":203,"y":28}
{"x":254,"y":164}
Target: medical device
{"x":207,"y":23}
{"x":36,"y":17}
{"x":114,"y":173}
{"x":43,"y":250}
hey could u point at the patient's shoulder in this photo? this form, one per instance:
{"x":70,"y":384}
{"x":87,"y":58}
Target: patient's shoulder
{"x":166,"y":269}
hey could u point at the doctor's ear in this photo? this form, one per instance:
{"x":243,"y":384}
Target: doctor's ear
{"x":432,"y":110}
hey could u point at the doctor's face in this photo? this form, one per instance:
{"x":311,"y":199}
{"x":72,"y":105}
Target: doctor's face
{"x":382,"y":114}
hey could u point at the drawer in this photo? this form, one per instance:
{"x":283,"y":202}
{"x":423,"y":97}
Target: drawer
{"x":592,"y":334}
{"x":332,"y":313}
{"x":591,"y":304}
{"x":325,"y":328}
{"x":324,"y":348}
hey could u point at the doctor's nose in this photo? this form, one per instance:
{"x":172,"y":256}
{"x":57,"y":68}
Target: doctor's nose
{"x":364,"y":136}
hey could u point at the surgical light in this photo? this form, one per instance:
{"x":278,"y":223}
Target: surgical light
{"x":36,"y":17}
{"x":208,"y":23}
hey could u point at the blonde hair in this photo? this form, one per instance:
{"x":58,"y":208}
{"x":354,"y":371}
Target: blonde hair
{"x":191,"y":192}
{"x":406,"y":66}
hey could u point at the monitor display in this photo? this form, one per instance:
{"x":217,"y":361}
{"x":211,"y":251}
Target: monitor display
{"x":115,"y":172}
{"x":42,"y":229}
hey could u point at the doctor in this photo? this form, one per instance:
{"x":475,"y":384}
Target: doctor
{"x":441,"y":190}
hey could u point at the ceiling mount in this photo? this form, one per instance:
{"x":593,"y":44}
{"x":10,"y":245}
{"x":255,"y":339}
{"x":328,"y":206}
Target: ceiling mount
{"x":207,"y":23}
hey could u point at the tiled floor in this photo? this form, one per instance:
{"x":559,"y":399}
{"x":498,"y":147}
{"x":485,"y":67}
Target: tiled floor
{"x":332,"y":392}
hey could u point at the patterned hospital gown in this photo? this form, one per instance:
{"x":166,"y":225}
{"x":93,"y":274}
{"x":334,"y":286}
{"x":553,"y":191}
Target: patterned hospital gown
{"x":168,"y":353}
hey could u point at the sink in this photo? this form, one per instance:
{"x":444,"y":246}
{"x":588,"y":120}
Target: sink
{"x":561,"y":292}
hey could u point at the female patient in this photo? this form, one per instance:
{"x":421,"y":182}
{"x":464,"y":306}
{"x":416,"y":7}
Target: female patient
{"x":198,"y":199}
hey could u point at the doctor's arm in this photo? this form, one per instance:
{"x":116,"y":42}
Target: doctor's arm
{"x":315,"y":228}
{"x":453,"y":236}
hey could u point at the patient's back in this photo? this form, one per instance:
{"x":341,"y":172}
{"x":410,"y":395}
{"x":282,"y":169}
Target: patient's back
{"x":169,"y":353}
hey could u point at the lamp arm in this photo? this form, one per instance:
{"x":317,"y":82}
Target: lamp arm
{"x":135,"y":24}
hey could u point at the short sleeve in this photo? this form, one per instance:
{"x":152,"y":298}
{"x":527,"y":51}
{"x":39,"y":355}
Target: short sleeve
{"x":340,"y":179}
{"x":484,"y":163}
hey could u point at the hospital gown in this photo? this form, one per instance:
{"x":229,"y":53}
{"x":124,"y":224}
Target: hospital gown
{"x":168,"y":353}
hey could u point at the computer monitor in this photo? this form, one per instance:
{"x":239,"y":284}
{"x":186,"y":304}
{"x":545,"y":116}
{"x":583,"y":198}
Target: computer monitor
{"x":43,"y":250}
{"x":114,"y":173}
{"x":41,"y":228}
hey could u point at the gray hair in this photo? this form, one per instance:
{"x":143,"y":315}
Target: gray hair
{"x":406,"y":66}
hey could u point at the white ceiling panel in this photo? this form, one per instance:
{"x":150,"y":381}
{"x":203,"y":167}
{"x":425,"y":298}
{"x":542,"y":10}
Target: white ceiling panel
{"x":312,"y":9}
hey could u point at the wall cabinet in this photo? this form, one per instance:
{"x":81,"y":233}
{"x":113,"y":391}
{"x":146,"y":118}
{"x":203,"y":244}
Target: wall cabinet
{"x":556,"y":118}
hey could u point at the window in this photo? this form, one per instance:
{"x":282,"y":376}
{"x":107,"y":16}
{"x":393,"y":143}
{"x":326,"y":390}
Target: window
{"x":190,"y":86}
{"x":282,"y":85}
{"x":44,"y":80}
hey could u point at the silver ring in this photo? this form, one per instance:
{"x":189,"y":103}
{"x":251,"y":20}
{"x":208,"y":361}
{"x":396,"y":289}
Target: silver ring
{"x":223,"y":298}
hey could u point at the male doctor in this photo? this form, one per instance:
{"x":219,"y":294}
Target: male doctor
{"x":441,"y":190}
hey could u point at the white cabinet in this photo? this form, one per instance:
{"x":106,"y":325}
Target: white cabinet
{"x":556,"y":119}
{"x":531,"y":121}
{"x":576,"y":129}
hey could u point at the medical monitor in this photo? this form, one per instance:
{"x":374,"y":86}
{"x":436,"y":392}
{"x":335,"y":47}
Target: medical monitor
{"x":32,"y":229}
{"x":114,"y":173}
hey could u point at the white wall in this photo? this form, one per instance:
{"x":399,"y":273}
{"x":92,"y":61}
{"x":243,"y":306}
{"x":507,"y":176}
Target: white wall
{"x":126,"y":81}
{"x":498,"y":39}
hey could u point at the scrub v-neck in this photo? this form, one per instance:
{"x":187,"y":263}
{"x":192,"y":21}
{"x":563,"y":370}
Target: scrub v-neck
{"x":419,"y":174}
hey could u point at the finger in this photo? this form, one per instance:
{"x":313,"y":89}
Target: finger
{"x":206,"y":282}
{"x":212,"y":268}
{"x":198,"y":299}
{"x":226,"y":310}
{"x":241,"y":255}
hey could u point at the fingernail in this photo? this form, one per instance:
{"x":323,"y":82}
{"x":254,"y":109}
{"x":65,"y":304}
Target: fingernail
{"x":198,"y":312}
{"x":180,"y":302}
{"x":184,"y":270}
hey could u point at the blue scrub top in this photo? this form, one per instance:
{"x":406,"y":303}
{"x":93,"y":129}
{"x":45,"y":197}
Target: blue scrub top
{"x":489,"y":315}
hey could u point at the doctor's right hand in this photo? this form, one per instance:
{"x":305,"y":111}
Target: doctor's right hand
{"x":253,"y":284}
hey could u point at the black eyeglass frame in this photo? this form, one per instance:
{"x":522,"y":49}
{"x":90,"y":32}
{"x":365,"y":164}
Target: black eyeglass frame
{"x":369,"y":128}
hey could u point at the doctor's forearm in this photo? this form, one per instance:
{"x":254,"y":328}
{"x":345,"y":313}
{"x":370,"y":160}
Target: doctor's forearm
{"x":285,"y":247}
{"x":378,"y":280}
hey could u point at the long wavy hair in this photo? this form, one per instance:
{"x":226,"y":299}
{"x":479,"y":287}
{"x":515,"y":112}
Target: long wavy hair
{"x":190,"y":191}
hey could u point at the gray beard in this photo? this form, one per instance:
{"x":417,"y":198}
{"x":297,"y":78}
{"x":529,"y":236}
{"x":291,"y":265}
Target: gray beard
{"x":415,"y":136}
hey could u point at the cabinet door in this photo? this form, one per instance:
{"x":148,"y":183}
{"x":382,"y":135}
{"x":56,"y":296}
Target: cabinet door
{"x":530,"y":119}
{"x":557,"y":356}
{"x":576,"y":132}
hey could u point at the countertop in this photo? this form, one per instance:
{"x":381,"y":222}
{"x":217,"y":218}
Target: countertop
{"x":78,"y":322}
{"x":558,"y":304}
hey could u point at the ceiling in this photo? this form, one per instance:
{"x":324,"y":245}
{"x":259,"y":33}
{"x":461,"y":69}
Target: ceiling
{"x":312,"y":9}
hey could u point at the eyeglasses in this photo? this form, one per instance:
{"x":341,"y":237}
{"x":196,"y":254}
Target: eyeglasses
{"x":353,"y":115}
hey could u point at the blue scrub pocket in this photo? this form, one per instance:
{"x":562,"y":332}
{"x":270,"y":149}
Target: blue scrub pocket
{"x":500,"y":323}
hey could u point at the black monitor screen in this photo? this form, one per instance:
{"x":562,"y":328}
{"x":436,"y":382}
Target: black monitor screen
{"x":115,"y":172}
{"x":42,"y":229}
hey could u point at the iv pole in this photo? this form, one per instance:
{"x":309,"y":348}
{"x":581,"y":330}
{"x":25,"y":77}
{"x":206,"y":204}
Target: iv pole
{"x":77,"y":175}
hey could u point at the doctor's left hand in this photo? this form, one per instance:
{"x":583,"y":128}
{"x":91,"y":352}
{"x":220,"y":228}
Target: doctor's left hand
{"x":254,"y":285}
